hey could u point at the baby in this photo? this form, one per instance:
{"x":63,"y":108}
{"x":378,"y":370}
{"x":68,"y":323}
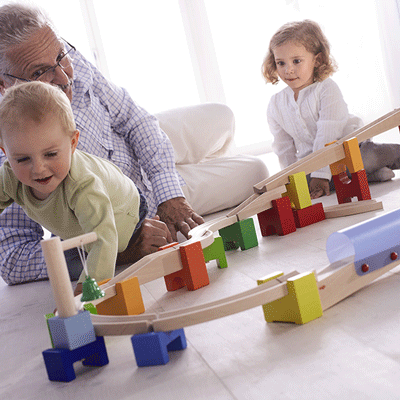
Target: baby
{"x":67,"y":191}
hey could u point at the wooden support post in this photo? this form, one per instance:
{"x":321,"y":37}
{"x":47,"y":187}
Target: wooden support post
{"x":59,"y":362}
{"x":152,"y":348}
{"x":298,"y":192}
{"x":352,"y":160}
{"x":194,"y":274}
{"x":301,"y":305}
{"x":241,"y":234}
{"x":278,"y":219}
{"x":309,"y":215}
{"x":59,"y":277}
{"x":216,"y":251}
{"x":127,"y":301}
{"x":347,"y":188}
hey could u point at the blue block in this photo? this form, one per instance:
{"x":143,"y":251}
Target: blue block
{"x":73,"y":332}
{"x":152,"y":348}
{"x":59,"y":362}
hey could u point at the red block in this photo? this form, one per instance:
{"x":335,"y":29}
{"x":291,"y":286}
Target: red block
{"x":278,"y":219}
{"x":309,"y":215}
{"x":347,"y":188}
{"x":194,"y":274}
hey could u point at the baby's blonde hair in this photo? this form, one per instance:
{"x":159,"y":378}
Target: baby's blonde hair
{"x":308,"y":34}
{"x":35,"y":101}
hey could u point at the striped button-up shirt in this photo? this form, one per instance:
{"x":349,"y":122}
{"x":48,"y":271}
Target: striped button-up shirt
{"x":111,"y":126}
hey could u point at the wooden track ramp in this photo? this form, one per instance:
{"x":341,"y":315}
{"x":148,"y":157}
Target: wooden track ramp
{"x":336,"y":282}
{"x":331,"y":153}
{"x":344,"y":281}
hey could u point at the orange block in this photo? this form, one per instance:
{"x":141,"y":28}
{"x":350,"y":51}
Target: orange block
{"x":353,"y":155}
{"x":353,"y":160}
{"x":167,"y":246}
{"x":194,"y":274}
{"x":127,"y":301}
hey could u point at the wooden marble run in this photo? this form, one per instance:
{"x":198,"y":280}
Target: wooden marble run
{"x":282,"y":204}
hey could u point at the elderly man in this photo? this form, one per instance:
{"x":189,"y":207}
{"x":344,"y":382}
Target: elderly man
{"x":112,"y":126}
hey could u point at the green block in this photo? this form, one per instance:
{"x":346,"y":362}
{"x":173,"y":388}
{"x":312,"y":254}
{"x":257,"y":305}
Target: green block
{"x":229,"y":237}
{"x":90,"y":307}
{"x":48,"y":316}
{"x":241,"y":234}
{"x":216,"y":251}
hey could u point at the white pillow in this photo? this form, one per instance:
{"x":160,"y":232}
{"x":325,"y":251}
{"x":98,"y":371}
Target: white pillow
{"x":199,"y":133}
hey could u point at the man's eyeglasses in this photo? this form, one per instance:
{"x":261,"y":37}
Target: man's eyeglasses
{"x":47,"y":74}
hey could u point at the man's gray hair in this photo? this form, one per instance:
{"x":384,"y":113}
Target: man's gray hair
{"x":18,"y":22}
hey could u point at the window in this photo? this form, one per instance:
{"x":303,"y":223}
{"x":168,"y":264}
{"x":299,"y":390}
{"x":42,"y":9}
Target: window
{"x":150,"y":49}
{"x":68,"y":21}
{"x":147,"y":53}
{"x":241,"y":33}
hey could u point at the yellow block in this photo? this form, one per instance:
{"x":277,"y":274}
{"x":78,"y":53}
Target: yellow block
{"x":298,"y":192}
{"x":127,"y":301}
{"x":301,"y":305}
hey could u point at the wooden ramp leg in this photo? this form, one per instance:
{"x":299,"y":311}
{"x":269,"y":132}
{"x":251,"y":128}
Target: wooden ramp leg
{"x":309,"y":215}
{"x":59,"y":362}
{"x":72,"y":332}
{"x":301,"y":305}
{"x":278,"y":219}
{"x":346,"y":189}
{"x":194,"y":273}
{"x":241,"y":234}
{"x":216,"y":251}
{"x":128,"y":300}
{"x":152,"y":348}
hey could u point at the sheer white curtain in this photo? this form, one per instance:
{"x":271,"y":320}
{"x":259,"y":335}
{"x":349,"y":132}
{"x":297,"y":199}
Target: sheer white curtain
{"x":388,"y":12}
{"x":173,"y":53}
{"x":68,"y":20}
{"x":354,"y":31}
{"x":241,"y":34}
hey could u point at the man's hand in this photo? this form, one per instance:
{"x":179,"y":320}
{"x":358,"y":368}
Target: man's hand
{"x":319,"y":187}
{"x":179,"y":216}
{"x":152,"y":234}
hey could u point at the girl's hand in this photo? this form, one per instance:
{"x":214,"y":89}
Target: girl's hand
{"x":319,"y":187}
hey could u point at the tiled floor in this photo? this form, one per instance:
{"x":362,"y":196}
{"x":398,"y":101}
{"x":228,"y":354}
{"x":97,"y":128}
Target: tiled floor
{"x":351,"y":352}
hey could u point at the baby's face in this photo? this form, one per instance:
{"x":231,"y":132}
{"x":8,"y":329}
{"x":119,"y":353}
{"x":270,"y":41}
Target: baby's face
{"x":40,"y":154}
{"x":295,"y":65}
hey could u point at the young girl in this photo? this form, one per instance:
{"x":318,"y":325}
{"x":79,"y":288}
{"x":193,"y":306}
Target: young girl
{"x":310,"y":111}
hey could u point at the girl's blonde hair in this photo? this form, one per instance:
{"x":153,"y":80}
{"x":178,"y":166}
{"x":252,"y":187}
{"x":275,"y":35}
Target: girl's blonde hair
{"x":308,"y":34}
{"x":35,"y":101}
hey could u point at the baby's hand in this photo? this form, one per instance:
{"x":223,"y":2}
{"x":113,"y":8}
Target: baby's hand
{"x":319,"y":187}
{"x":152,"y":234}
{"x":78,"y":289}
